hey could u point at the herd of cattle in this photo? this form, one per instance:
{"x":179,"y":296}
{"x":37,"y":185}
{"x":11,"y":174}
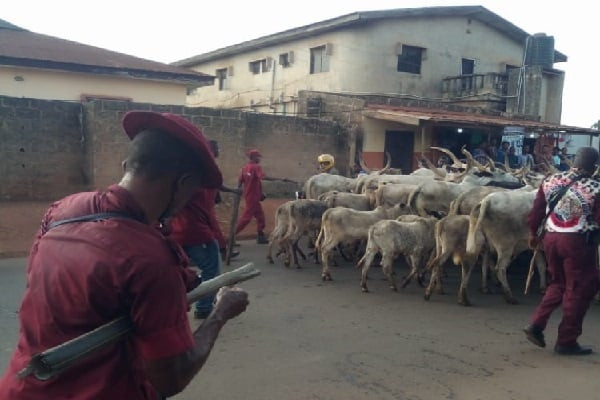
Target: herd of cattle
{"x":467,"y":212}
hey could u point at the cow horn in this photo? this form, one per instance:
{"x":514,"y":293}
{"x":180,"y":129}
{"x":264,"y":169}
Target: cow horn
{"x":362,"y":164}
{"x":449,"y":153}
{"x":508,"y":169}
{"x":467,"y":169}
{"x":470,"y":157}
{"x":388,"y":163}
{"x":491,"y":163}
{"x":432,"y":167}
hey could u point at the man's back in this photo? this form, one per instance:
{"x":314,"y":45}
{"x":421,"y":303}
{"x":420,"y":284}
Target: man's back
{"x":83,"y":275}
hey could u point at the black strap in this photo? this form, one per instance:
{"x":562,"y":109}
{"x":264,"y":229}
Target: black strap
{"x":92,"y":218}
{"x":554,"y":201}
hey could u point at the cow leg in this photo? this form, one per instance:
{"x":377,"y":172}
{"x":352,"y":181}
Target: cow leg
{"x":326,"y":249}
{"x":501,"y":267}
{"x":415,"y":262}
{"x":387,"y":264}
{"x":270,"y":251}
{"x":467,"y":268}
{"x":485,"y":267}
{"x":366,"y":262}
{"x":435,"y":266}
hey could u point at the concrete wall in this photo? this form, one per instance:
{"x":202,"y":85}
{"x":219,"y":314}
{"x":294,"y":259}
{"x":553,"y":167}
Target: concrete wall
{"x":42,"y":152}
{"x":49,"y":149}
{"x":70,"y":86}
{"x":363,"y":60}
{"x":52,"y":148}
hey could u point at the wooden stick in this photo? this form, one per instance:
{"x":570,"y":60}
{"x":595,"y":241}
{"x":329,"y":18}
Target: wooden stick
{"x":233,"y":226}
{"x":530,"y":273}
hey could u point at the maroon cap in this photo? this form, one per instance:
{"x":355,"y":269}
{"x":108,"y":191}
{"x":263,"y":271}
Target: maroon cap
{"x":254,"y":152}
{"x":136,"y":121}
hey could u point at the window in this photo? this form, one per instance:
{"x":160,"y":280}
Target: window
{"x":258,"y":66}
{"x":319,"y":60}
{"x":410,"y":59}
{"x":467,"y":67}
{"x":284,"y":60}
{"x":222,"y":78}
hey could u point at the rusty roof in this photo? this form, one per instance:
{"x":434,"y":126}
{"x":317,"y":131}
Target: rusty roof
{"x":416,"y":115}
{"x":20,"y":47}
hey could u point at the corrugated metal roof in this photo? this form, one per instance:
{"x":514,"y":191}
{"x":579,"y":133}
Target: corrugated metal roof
{"x":476,"y":12}
{"x":20,"y":47}
{"x":414,"y":116}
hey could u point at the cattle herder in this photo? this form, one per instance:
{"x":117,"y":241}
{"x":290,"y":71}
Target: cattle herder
{"x":567,"y":208}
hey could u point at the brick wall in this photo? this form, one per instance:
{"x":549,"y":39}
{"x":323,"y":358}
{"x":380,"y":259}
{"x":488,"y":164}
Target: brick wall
{"x":49,"y":149}
{"x":289,"y":145}
{"x":41,"y":149}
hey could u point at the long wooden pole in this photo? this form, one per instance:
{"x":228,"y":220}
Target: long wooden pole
{"x":232,"y":226}
{"x":52,"y":362}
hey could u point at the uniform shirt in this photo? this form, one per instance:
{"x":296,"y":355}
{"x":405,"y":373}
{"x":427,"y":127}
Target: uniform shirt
{"x":251,"y":178}
{"x":197,"y":223}
{"x":83,"y":275}
{"x":576,"y":212}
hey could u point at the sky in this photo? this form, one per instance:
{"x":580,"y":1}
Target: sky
{"x":172,"y":30}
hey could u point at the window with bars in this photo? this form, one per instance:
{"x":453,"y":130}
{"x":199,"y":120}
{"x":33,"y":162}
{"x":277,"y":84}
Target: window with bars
{"x":410,"y":59}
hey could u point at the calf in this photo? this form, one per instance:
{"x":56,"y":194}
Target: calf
{"x":411,"y":237}
{"x":344,"y":225}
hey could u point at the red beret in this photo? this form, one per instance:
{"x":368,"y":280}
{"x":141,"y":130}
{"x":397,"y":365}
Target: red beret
{"x":254,"y":152}
{"x":136,"y":121}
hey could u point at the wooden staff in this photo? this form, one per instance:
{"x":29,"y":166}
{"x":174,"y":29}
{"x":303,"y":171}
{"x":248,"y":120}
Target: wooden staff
{"x":530,"y":273}
{"x":233,"y":224}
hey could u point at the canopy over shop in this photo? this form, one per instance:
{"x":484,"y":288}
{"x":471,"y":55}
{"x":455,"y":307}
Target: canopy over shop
{"x":408,"y":132}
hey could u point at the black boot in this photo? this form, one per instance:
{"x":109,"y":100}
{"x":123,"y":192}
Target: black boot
{"x":261,"y":238}
{"x":535,"y":335}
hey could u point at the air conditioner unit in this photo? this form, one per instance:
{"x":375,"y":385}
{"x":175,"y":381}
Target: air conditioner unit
{"x":329,"y":49}
{"x":398,"y":49}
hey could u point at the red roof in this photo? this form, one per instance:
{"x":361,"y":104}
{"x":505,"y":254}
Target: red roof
{"x":20,"y":47}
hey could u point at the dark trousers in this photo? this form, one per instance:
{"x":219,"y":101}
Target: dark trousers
{"x":573,"y":282}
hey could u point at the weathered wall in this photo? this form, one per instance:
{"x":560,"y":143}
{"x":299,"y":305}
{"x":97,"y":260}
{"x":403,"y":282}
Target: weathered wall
{"x":289,"y":145}
{"x":41,"y":149}
{"x":49,"y":149}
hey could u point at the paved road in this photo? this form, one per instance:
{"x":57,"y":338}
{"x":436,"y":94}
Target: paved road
{"x":305,"y":339}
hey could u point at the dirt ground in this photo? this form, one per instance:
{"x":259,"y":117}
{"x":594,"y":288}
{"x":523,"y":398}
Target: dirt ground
{"x":302,"y":338}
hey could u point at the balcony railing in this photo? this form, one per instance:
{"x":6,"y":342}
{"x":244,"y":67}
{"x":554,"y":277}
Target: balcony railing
{"x":475,"y":84}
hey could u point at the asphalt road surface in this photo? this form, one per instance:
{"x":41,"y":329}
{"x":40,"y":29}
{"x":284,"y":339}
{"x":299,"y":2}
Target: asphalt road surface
{"x":302,"y":339}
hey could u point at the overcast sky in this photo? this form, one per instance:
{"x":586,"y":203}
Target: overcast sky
{"x":171,"y":30}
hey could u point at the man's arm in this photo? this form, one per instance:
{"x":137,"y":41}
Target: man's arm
{"x":171,"y":375}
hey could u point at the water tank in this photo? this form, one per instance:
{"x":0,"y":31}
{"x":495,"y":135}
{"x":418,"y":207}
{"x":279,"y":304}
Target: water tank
{"x":540,"y":50}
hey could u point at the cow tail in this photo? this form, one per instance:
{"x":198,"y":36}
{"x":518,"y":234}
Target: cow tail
{"x":412,"y":200}
{"x":475,"y":219}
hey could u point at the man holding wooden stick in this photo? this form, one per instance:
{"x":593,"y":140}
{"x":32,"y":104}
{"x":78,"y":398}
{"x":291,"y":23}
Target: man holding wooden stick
{"x":98,"y":256}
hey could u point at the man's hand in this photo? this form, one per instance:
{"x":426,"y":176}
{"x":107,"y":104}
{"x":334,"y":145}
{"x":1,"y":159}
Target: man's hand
{"x":230,"y":302}
{"x":533,"y":242}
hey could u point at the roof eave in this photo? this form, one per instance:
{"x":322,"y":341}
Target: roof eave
{"x":191,"y":79}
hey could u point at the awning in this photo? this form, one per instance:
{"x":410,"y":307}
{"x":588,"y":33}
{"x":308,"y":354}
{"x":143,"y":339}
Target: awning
{"x":414,"y":116}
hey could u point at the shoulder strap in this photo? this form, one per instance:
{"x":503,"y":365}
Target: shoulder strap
{"x":92,"y":218}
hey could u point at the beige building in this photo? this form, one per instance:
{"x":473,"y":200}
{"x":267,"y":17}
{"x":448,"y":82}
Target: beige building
{"x":44,"y":67}
{"x":464,"y":56}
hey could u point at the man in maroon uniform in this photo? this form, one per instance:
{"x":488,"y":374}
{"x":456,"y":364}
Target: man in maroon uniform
{"x":98,"y":256}
{"x":251,"y":178}
{"x":571,"y":250}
